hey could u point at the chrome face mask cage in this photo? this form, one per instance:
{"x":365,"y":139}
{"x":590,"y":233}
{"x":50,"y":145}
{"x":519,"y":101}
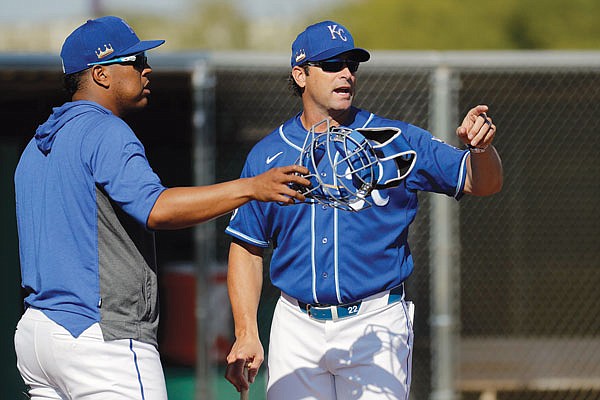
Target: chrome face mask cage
{"x":350,"y":161}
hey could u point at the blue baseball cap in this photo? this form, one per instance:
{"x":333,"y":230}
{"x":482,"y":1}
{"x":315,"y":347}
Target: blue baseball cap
{"x":325,"y":40}
{"x":101,"y":39}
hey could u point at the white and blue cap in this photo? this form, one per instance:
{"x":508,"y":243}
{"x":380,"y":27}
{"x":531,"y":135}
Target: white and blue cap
{"x":101,"y":39}
{"x":325,"y":40}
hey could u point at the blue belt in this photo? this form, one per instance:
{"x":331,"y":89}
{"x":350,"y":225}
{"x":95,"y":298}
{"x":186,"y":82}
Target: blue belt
{"x":326,"y":313}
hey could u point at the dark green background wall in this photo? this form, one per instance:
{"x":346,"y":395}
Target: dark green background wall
{"x":11,"y":386}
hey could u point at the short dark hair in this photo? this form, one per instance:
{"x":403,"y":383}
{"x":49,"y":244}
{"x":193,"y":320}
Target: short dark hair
{"x":297,"y":90}
{"x":72,"y":82}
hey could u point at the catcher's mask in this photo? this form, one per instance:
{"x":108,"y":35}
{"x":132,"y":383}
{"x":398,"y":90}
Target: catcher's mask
{"x":346,"y":165}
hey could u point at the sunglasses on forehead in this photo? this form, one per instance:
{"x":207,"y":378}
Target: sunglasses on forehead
{"x":137,"y":60}
{"x":335,"y":65}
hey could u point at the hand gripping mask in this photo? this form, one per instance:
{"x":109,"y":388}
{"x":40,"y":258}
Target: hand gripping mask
{"x":346,"y":165}
{"x":342,"y":164}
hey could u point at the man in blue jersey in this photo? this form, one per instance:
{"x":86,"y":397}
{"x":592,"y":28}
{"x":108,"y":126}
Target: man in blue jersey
{"x":341,"y":327}
{"x":87,"y":204}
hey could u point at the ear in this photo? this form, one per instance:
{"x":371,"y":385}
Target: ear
{"x":299,"y":75}
{"x":101,"y":75}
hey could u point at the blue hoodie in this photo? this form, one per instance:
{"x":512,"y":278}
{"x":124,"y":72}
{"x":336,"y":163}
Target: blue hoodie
{"x":84,"y":191}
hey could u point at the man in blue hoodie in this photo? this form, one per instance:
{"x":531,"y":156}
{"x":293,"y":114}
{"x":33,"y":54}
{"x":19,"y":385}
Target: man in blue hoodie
{"x":87,"y":203}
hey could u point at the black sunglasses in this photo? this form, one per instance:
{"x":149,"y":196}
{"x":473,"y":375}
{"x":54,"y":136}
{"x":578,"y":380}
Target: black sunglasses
{"x":335,"y":66}
{"x":139,"y":61}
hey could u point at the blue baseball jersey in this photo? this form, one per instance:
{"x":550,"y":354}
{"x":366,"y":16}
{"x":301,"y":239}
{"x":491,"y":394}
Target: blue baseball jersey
{"x":331,"y":256}
{"x":84,"y":191}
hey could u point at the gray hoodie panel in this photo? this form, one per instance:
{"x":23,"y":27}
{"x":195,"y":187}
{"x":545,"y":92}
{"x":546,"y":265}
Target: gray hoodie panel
{"x":128,"y":279}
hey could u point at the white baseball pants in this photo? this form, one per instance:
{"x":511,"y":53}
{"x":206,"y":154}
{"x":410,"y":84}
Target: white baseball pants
{"x":55,"y":365}
{"x":367,"y":356}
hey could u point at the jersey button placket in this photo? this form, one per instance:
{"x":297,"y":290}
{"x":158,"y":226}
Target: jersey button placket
{"x":323,"y":231}
{"x":324,"y":241}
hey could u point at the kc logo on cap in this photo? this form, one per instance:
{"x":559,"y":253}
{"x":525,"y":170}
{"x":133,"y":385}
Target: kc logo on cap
{"x":324,"y":40}
{"x":339,"y":32}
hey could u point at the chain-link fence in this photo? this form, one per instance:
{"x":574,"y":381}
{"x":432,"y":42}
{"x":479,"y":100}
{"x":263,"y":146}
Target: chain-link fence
{"x":525,"y":266}
{"x":526,"y":290}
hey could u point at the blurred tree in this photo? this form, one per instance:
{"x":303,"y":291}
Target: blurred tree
{"x":555,"y":24}
{"x":210,"y":25}
{"x":215,"y":25}
{"x":471,"y":24}
{"x":380,"y":24}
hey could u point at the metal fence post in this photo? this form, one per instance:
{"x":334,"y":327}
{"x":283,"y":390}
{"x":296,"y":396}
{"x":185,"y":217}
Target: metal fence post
{"x":444,"y":248}
{"x":204,"y":151}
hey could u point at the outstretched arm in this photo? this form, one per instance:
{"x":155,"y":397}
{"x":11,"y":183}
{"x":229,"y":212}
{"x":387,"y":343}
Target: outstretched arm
{"x":182,"y":207}
{"x":244,"y":283}
{"x":484,"y":167}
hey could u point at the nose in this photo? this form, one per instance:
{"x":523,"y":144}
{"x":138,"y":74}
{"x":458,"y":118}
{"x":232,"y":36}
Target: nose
{"x":346,"y":73}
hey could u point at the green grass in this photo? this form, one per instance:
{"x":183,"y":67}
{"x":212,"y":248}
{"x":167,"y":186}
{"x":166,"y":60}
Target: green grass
{"x":181,"y":385}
